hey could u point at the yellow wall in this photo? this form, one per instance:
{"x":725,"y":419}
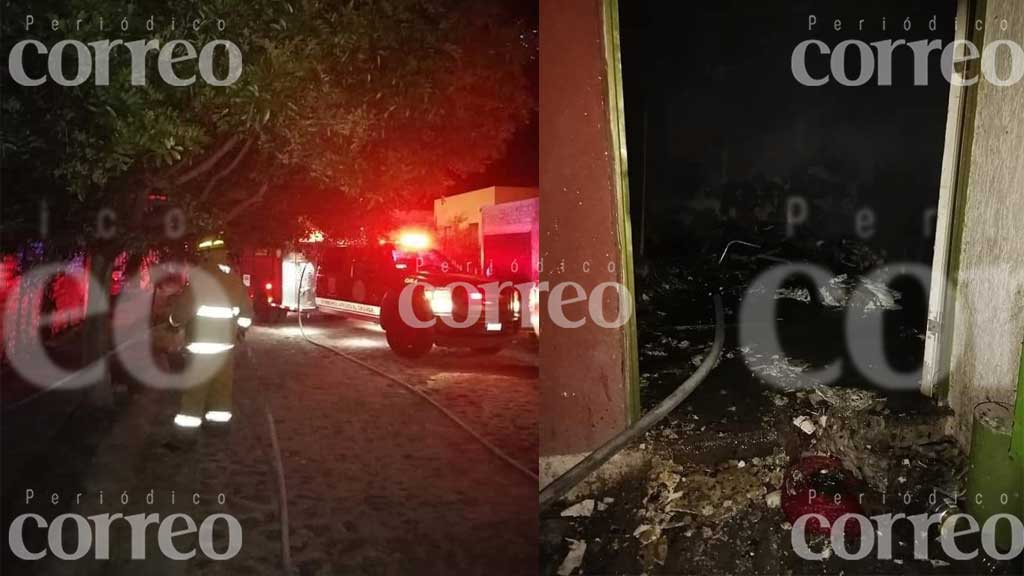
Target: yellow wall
{"x":464,"y":209}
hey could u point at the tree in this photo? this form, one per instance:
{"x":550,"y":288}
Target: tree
{"x":341,"y":107}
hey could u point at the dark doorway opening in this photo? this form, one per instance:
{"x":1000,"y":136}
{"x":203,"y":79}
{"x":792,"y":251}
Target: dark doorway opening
{"x":727,"y":144}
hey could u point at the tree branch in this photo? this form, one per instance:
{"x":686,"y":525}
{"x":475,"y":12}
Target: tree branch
{"x":227,"y":170}
{"x":249,"y":203}
{"x":208,"y":164}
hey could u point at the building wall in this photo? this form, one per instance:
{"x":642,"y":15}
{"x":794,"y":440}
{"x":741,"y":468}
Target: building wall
{"x":519,"y":216}
{"x":457,"y":220}
{"x":989,"y":309}
{"x":462,"y":209}
{"x":583,"y":372}
{"x":504,"y":194}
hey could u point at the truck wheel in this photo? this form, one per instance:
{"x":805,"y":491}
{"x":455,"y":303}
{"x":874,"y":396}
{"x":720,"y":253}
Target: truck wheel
{"x":409,"y":343}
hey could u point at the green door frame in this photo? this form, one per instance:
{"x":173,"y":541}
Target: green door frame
{"x":624,"y":228}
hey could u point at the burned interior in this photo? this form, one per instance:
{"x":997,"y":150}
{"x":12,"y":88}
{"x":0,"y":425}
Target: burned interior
{"x":800,"y":182}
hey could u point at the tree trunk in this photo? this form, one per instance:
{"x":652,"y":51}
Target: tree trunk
{"x":97,"y":325}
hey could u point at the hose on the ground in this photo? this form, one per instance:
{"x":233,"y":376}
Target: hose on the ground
{"x":282,"y":488}
{"x":448,"y":413}
{"x":566,"y":482}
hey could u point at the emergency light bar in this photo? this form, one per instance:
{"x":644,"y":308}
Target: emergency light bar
{"x":414,"y":240}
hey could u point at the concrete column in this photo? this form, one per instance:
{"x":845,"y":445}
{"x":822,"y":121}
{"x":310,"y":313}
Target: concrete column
{"x":585,"y":372}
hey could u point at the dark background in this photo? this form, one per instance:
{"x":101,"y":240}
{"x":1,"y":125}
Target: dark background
{"x":724,"y":115}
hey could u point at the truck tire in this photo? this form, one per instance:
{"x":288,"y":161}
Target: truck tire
{"x":406,"y":341}
{"x":409,"y":342}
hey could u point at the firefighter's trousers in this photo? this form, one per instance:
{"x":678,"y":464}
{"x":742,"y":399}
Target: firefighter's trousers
{"x":213,"y":394}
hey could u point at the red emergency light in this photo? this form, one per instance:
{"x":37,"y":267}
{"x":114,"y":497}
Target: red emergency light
{"x":413,"y":240}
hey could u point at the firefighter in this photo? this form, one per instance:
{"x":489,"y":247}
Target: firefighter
{"x":212,"y":309}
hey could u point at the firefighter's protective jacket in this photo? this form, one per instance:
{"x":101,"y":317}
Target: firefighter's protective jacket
{"x":214,"y":304}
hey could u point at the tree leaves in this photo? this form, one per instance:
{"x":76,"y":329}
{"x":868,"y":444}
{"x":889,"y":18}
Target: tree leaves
{"x":370,"y":100}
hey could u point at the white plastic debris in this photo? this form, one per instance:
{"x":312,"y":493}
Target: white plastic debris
{"x":582,"y":509}
{"x":834,"y":294}
{"x":773,"y":499}
{"x":783,"y":371}
{"x":882,"y":296}
{"x":800,"y":294}
{"x":864,"y":292}
{"x":806,"y":424}
{"x":574,"y":559}
{"x":647,"y":533}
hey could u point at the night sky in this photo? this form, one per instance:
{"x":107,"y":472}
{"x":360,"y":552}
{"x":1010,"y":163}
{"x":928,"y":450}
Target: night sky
{"x":723,"y":107}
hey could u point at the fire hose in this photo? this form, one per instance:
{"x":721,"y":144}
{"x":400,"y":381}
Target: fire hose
{"x":282,"y":487}
{"x":566,"y":482}
{"x":561,"y":486}
{"x":278,"y":464}
{"x":445,"y":411}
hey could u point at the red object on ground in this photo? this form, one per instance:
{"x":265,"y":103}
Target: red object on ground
{"x":820,"y":485}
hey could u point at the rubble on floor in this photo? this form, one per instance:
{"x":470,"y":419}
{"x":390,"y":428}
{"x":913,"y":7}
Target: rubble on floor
{"x":574,"y":558}
{"x":691,"y":511}
{"x":708,"y":498}
{"x":697,"y":499}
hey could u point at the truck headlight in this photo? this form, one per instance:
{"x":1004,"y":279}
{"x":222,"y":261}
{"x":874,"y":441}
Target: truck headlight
{"x":440,"y":300}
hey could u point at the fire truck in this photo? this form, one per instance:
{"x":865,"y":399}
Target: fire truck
{"x":280,"y":280}
{"x":366,"y":280}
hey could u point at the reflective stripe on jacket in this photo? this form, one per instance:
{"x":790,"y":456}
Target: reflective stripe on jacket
{"x":210,"y":308}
